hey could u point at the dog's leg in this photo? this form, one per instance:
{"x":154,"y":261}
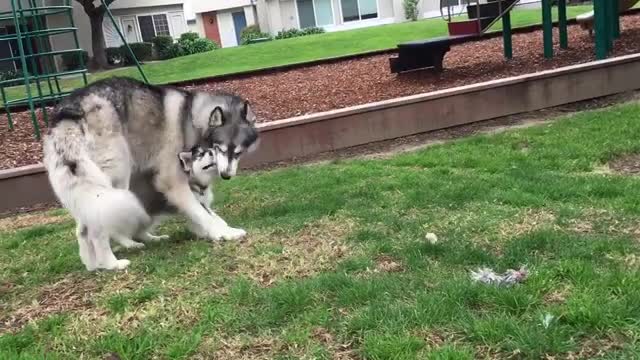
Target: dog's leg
{"x":127,"y":243}
{"x":105,"y":258}
{"x":146,"y":236}
{"x":213,"y":226}
{"x":87,"y":251}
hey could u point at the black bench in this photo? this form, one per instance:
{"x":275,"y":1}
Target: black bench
{"x":423,"y":54}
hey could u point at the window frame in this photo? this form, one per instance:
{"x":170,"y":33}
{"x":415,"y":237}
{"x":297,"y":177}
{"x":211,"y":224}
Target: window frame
{"x":360,"y":13}
{"x":155,"y":32}
{"x":315,"y":15}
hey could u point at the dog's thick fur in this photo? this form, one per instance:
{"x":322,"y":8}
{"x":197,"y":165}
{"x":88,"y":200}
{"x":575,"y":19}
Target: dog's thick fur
{"x":106,"y":134}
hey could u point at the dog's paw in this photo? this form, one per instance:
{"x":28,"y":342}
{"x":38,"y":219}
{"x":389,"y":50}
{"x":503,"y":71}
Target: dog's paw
{"x":116,"y":265}
{"x":121,"y":264}
{"x":234,"y":234}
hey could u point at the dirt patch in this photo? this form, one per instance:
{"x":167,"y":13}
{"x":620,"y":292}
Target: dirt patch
{"x":626,"y":165}
{"x":386,"y":263}
{"x":597,"y":348}
{"x":69,"y":294}
{"x":240,"y":348}
{"x":26,"y":220}
{"x":558,"y":296}
{"x":528,"y":221}
{"x":267,"y":258}
{"x":339,"y":351}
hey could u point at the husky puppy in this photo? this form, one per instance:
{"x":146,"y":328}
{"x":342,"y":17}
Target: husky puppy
{"x":111,"y":131}
{"x":200,"y":165}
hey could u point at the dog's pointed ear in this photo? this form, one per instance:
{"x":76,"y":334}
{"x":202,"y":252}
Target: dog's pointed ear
{"x":248,"y":113}
{"x":216,"y":118}
{"x":186,"y":159}
{"x":254,"y":146}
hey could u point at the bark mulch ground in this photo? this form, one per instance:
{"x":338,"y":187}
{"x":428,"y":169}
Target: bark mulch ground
{"x":359,"y":81}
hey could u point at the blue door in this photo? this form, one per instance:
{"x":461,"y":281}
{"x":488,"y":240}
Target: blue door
{"x":239,"y":23}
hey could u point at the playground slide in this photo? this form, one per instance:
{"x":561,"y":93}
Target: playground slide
{"x":586,"y":20}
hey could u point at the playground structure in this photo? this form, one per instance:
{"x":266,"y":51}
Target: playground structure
{"x":31,"y":56}
{"x":482,"y":16}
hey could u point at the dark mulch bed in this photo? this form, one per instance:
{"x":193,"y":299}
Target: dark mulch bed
{"x":359,"y":81}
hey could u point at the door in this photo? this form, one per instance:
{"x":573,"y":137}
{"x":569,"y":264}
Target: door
{"x":211,"y":30}
{"x":177,"y":24}
{"x":129,"y":28}
{"x":239,"y":23}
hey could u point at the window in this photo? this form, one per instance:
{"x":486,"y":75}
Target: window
{"x":353,"y":10}
{"x":161,"y":24}
{"x":152,"y":26}
{"x":314,"y":13}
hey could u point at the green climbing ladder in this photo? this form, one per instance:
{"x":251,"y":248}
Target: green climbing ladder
{"x":31,"y":56}
{"x":36,"y":63}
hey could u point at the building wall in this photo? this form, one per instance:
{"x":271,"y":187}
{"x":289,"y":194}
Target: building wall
{"x":113,"y":39}
{"x":201,"y":6}
{"x":227,"y":33}
{"x":131,"y":4}
{"x":226,"y":26}
{"x":288,"y":15}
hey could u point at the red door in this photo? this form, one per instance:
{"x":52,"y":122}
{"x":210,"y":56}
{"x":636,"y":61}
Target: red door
{"x":211,"y":26}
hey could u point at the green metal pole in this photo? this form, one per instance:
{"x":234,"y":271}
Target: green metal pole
{"x":506,"y":35}
{"x":77,"y":45}
{"x":25,"y":75}
{"x":610,"y":16}
{"x":34,"y":60}
{"x":562,"y":24}
{"x":44,"y":63}
{"x":615,"y":6}
{"x":133,"y":56}
{"x":547,"y":29}
{"x":600,"y":16}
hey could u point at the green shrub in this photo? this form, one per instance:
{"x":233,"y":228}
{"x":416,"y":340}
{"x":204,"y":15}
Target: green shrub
{"x":410,"y":9}
{"x":189,"y":36}
{"x":286,"y":34}
{"x":10,"y":75}
{"x":252,"y":32}
{"x":142,"y":51}
{"x":71,"y":60}
{"x":190,"y":45}
{"x":174,"y":51}
{"x":114,"y":56}
{"x":291,"y":33}
{"x":312,"y":31}
{"x":161,"y":45}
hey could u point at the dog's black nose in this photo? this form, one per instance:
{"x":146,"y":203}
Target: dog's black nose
{"x":225,"y":176}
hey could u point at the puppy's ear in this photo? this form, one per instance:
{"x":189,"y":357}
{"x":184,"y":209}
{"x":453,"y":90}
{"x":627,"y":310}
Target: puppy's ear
{"x":216,"y":118}
{"x":249,"y":115}
{"x":254,"y":146}
{"x":186,"y":160}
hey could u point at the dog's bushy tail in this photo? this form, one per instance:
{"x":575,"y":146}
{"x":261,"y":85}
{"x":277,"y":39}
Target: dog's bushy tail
{"x":83,"y":188}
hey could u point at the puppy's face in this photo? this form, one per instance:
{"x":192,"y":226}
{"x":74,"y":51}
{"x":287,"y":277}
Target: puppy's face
{"x":200,"y":164}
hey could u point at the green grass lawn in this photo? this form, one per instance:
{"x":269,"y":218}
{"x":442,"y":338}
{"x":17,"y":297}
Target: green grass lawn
{"x":336,"y":263}
{"x":295,"y":50}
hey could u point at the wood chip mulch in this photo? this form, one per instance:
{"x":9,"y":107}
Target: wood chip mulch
{"x":353,"y":82}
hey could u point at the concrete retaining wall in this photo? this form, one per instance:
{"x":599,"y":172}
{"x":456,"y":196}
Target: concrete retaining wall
{"x":338,"y":129}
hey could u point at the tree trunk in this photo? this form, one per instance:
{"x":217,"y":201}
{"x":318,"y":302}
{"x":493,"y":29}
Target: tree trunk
{"x":99,"y":59}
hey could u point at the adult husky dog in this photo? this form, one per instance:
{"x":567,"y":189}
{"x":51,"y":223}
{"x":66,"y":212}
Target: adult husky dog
{"x":104,"y":133}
